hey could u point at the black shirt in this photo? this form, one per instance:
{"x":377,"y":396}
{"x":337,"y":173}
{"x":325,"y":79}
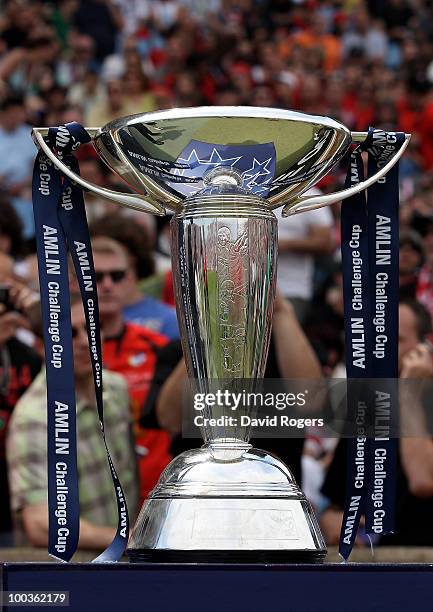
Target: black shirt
{"x":288,"y":450}
{"x":14,"y":37}
{"x":413,"y":518}
{"x":94,"y":18}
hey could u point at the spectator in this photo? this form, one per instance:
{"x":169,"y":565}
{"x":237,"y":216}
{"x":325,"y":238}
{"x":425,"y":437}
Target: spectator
{"x":324,"y":324}
{"x":411,"y":259}
{"x":29,"y":69}
{"x":424,"y":290}
{"x":109,"y":108}
{"x":19,"y":364}
{"x":139,"y":309}
{"x":101,"y":20}
{"x":81,"y":58}
{"x":88,"y":93}
{"x":17,"y":153}
{"x":365,"y":37}
{"x":301,"y":237}
{"x":415,"y":467}
{"x":20,"y":18}
{"x":130,"y":350}
{"x":316,"y":36}
{"x":138,"y":97}
{"x":11,"y":230}
{"x":27,"y":452}
{"x":93,"y":170}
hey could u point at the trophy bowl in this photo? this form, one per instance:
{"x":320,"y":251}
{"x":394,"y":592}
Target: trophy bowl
{"x":222,"y":171}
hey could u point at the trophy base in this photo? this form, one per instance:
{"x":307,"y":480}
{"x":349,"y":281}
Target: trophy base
{"x":277,"y":557}
{"x":226,"y":505}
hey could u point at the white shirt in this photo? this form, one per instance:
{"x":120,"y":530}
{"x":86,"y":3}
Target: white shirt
{"x":296,"y":270}
{"x":17,"y":154}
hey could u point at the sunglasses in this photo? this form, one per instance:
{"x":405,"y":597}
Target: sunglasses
{"x":76,"y":330}
{"x":115,"y":275}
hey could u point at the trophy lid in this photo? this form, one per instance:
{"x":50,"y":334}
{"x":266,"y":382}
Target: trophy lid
{"x":166,"y":154}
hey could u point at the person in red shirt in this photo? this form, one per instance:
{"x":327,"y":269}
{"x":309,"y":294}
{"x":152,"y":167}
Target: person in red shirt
{"x":19,"y":365}
{"x":314,"y":36}
{"x":415,"y":114}
{"x":130,"y":350}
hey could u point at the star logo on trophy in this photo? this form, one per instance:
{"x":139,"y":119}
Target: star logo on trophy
{"x":215,"y":159}
{"x":257,"y":170}
{"x":200,"y":157}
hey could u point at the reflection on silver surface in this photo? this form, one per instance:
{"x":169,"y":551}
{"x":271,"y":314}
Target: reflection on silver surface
{"x":249,"y":503}
{"x":306,"y":146}
{"x":224,"y":282}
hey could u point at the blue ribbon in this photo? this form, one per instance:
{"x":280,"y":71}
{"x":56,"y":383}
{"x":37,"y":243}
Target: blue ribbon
{"x":370,"y":251}
{"x":61,"y":225}
{"x":354,"y":252}
{"x":383,"y":222}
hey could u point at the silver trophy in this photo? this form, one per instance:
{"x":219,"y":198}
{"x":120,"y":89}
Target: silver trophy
{"x":222,"y":171}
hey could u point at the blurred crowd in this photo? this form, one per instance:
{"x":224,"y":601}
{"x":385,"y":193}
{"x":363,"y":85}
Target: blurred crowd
{"x":365,"y":63}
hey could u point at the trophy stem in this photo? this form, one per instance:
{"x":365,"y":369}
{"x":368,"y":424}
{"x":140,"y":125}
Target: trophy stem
{"x":224,"y":277}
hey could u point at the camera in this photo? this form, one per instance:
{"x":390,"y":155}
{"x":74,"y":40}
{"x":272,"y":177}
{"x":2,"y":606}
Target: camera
{"x":5,"y":298}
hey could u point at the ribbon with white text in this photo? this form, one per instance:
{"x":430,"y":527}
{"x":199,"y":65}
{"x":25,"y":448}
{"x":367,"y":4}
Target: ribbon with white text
{"x":61,"y":225}
{"x":369,"y":230}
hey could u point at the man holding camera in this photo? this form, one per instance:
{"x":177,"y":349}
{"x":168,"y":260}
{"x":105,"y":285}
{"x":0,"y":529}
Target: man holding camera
{"x":27,"y":451}
{"x":19,"y":364}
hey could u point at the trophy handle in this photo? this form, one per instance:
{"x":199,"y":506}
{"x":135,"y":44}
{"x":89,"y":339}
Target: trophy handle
{"x":303,"y":203}
{"x":136,"y":202}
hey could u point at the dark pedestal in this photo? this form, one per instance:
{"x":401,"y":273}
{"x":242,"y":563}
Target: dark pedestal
{"x":223,"y":588}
